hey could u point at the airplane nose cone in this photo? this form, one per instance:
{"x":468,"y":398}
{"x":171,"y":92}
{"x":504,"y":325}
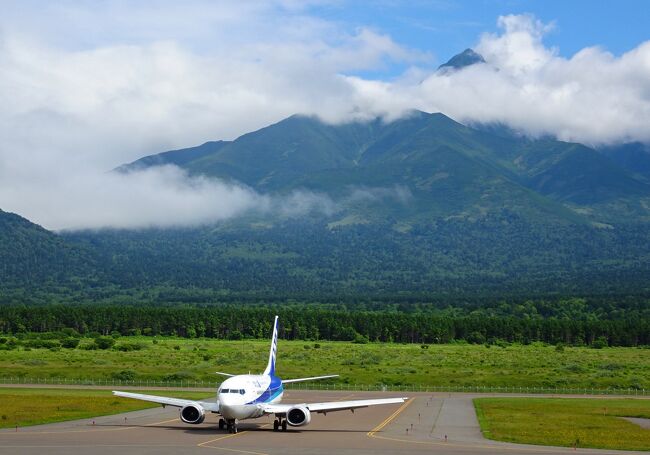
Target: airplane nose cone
{"x":234,"y":411}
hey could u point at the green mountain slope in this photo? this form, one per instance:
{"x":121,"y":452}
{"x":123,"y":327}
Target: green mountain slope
{"x":31,"y":256}
{"x":426,"y":207}
{"x":450,"y":169}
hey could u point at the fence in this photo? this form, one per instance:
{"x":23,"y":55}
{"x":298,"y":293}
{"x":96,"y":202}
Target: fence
{"x":25,"y":380}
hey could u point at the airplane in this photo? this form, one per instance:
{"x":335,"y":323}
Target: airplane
{"x":249,"y":396}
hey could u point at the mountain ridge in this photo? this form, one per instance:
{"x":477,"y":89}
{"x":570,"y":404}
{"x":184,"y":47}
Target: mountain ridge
{"x":435,"y":157}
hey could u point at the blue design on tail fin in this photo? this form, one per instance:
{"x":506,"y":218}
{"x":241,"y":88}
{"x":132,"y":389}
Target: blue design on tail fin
{"x":270,"y":367}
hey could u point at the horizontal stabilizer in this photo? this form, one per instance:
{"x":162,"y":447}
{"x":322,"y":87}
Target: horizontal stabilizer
{"x":313,"y":378}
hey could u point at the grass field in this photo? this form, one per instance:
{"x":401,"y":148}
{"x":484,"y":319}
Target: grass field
{"x":23,"y":407}
{"x":361,"y":364}
{"x":594,"y":423}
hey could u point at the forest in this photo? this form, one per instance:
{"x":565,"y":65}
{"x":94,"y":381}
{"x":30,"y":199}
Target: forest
{"x":323,"y":322}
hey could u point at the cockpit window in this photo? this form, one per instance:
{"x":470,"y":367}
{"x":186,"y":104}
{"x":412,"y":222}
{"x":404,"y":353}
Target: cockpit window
{"x":225,"y":390}
{"x":242,"y":391}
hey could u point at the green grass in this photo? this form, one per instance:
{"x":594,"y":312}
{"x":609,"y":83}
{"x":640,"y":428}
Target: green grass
{"x":453,"y":365}
{"x":24,"y":407}
{"x":594,"y":423}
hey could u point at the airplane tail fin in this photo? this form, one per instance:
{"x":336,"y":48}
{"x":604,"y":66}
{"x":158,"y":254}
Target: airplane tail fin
{"x":270,"y":367}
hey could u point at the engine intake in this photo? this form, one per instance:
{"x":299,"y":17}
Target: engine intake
{"x":298,"y":416}
{"x":193,"y":413}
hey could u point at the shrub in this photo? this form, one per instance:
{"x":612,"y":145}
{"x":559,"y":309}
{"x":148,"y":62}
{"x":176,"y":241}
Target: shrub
{"x":70,"y":343}
{"x":360,"y":339}
{"x":476,"y":338}
{"x":42,"y":344}
{"x":104,"y":342}
{"x":127,"y":347}
{"x":559,"y":347}
{"x":599,"y":343}
{"x":179,"y":376}
{"x":70,"y":332}
{"x":124,"y":375}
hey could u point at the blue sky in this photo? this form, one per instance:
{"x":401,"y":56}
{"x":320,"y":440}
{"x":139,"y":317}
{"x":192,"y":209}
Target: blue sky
{"x":446,"y":27}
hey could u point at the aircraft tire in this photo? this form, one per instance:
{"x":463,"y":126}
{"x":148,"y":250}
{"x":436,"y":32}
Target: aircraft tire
{"x":284,"y":425}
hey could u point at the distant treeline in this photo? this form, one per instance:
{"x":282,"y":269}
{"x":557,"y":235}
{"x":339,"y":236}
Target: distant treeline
{"x":313,"y":322}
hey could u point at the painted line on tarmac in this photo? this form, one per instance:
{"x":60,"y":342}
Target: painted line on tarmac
{"x":372,"y":432}
{"x":228,"y":436}
{"x":94,"y":430}
{"x":492,"y":447}
{"x":502,"y":448}
{"x":435,"y":421}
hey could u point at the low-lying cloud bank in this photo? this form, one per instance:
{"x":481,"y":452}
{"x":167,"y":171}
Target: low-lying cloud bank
{"x":68,"y":113}
{"x":164,"y":196}
{"x":167,"y":196}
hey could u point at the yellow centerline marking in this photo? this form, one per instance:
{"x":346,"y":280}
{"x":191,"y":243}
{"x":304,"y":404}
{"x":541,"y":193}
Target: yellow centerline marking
{"x":221,"y":438}
{"x":372,"y":432}
{"x":494,"y":447}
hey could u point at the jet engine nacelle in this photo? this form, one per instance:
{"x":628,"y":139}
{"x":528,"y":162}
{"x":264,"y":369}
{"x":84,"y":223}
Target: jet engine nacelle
{"x":193,"y":413}
{"x":298,"y":416}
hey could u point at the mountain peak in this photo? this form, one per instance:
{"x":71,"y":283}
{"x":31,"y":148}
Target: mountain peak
{"x":466,"y":58}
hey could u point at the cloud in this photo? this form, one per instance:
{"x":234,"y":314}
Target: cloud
{"x":85,"y":87}
{"x":593,"y":97}
{"x":163,"y":196}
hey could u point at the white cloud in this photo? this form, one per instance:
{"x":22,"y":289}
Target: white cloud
{"x":163,"y":196}
{"x":85,"y":87}
{"x":592,"y":97}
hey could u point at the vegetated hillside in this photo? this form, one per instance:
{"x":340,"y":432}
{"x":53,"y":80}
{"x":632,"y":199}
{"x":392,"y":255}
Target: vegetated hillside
{"x":31,"y":256}
{"x":494,"y":257}
{"x":449,"y":169}
{"x":424,"y":207}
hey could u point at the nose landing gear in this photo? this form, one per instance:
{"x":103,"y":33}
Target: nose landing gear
{"x":231,"y":425}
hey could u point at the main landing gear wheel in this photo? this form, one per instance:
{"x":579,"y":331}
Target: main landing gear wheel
{"x":222,"y":424}
{"x":279,"y":423}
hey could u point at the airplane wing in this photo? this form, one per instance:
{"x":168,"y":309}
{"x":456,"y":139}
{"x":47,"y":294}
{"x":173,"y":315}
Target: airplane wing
{"x":166,"y":401}
{"x":224,"y":374}
{"x":330,"y":406}
{"x":313,"y":378}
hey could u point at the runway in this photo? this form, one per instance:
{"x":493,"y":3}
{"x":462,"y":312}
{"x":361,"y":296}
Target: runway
{"x":426,"y":423}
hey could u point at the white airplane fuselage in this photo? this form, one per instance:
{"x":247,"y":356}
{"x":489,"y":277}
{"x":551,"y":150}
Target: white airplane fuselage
{"x":240,"y":396}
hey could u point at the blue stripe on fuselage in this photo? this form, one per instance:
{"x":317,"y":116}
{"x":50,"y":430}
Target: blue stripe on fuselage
{"x":274,"y":389}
